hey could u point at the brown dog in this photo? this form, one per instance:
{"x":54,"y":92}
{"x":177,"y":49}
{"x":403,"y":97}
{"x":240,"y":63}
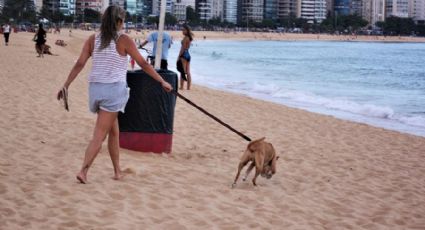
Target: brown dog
{"x":263,"y":156}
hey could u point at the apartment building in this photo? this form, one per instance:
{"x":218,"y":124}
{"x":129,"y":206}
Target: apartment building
{"x":286,"y":8}
{"x":180,"y":6}
{"x":398,"y":8}
{"x":230,"y":11}
{"x":250,"y":10}
{"x":314,"y":11}
{"x":417,"y":10}
{"x":271,"y":9}
{"x":373,"y":11}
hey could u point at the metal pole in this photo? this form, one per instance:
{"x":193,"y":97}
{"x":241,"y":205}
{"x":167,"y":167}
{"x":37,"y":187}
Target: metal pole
{"x":160,"y":35}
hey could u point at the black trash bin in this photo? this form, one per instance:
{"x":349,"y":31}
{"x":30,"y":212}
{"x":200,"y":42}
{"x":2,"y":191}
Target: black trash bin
{"x":147,"y":124}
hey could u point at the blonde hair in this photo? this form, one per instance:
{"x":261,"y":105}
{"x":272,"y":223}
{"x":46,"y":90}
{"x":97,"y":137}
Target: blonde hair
{"x":109,"y":28}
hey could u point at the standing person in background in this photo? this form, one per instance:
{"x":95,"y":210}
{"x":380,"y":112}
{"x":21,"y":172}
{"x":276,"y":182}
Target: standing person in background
{"x":166,"y":44}
{"x":6,"y":33}
{"x":184,"y":56}
{"x":108,"y":91}
{"x":40,"y":40}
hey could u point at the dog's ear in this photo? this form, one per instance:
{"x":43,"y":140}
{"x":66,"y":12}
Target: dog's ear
{"x":253,"y":145}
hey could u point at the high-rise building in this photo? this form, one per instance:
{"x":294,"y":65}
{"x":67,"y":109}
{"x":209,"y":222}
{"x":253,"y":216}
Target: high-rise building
{"x":156,"y":7}
{"x":373,"y":11}
{"x":418,"y":11}
{"x":120,"y":3}
{"x":179,"y":8}
{"x":38,"y":5}
{"x":204,"y":9}
{"x":287,"y":8}
{"x":398,"y":8}
{"x":312,"y":10}
{"x":356,"y":7}
{"x":81,"y":5}
{"x":347,"y":7}
{"x":330,"y":7}
{"x":217,"y":9}
{"x":67,"y":7}
{"x":271,"y":9}
{"x":250,"y":11}
{"x":146,"y":7}
{"x":130,"y":6}
{"x":342,"y":7}
{"x":230,"y":11}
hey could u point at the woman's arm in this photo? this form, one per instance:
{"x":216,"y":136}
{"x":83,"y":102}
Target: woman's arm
{"x":131,"y":49}
{"x":79,"y":65}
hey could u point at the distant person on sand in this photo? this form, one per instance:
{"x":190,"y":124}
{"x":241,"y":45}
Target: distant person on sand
{"x":108,"y":91}
{"x":166,"y":44}
{"x":6,"y":33}
{"x":184,"y":55}
{"x":40,"y":40}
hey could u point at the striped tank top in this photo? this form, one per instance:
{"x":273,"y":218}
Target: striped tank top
{"x":108,"y":65}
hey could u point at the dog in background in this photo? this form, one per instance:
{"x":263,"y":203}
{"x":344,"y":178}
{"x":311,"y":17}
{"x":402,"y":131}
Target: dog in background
{"x":262,"y":156}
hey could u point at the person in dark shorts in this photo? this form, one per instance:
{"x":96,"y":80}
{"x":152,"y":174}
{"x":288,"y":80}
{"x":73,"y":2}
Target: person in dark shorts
{"x":40,"y":40}
{"x":6,"y":33}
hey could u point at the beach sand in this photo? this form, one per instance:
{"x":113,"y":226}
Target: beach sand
{"x":266,"y":36}
{"x":332,"y":174}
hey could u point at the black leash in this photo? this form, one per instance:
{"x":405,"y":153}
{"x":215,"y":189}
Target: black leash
{"x":212,"y":116}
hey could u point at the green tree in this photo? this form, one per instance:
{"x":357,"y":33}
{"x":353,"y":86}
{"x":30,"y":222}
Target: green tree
{"x":397,"y":26}
{"x":170,"y":19}
{"x":216,"y":21}
{"x":350,"y":23}
{"x":19,"y":11}
{"x":267,"y":23}
{"x":91,"y":16}
{"x":420,"y":30}
{"x":192,"y":17}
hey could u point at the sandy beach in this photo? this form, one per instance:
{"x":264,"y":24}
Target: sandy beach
{"x":210,"y":35}
{"x":332,"y":174}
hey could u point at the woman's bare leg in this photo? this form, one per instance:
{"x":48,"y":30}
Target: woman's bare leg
{"x":104,"y":123}
{"x":181,"y":82}
{"x":113,"y":148}
{"x":42,"y":50}
{"x":38,"y":49}
{"x":184,"y":68}
{"x":188,"y":75}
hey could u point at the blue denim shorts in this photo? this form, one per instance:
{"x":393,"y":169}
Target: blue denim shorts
{"x":110,"y":97}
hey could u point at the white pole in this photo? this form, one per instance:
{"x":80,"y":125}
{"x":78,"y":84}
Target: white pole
{"x":160,"y":35}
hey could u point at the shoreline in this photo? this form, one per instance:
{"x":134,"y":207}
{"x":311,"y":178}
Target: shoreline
{"x":325,"y":112}
{"x":255,"y":36}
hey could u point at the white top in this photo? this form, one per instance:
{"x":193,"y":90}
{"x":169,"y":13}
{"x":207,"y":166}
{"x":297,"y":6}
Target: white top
{"x":108,"y":65}
{"x":6,"y":29}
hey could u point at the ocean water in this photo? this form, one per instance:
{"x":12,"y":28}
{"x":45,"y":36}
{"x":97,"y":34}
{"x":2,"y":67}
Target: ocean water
{"x":381,"y":84}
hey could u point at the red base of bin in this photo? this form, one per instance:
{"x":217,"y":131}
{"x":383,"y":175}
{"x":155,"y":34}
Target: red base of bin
{"x":146,"y":142}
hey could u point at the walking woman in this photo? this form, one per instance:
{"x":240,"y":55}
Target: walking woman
{"x":108,"y":92}
{"x":184,"y":55}
{"x":6,"y":33}
{"x":40,"y":40}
